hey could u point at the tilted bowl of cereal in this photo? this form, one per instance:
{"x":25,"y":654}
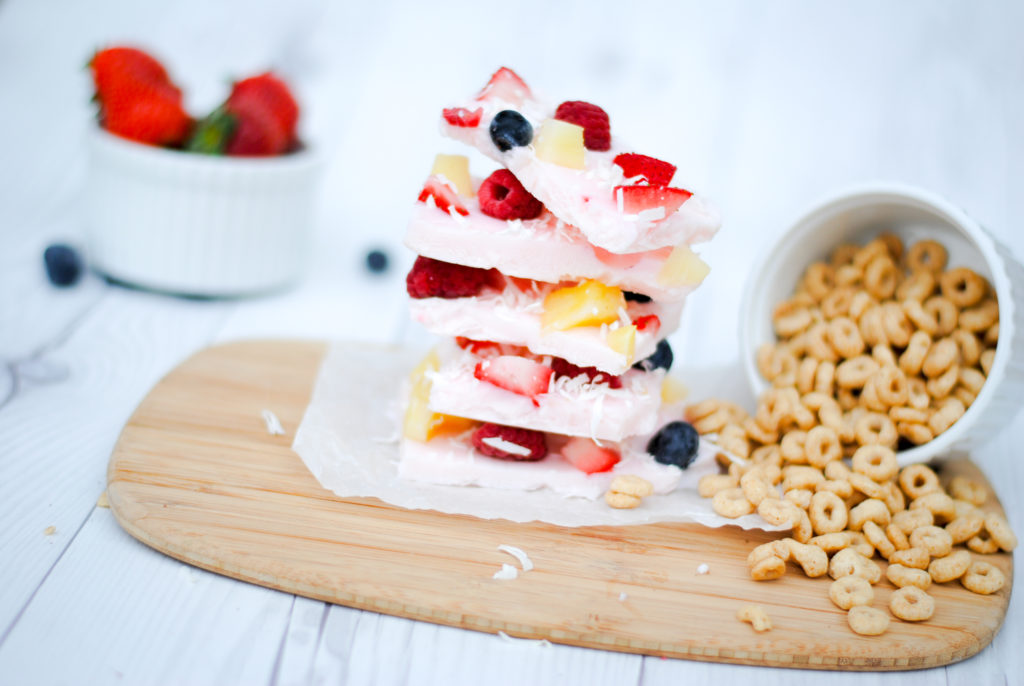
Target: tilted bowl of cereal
{"x":890,"y":316}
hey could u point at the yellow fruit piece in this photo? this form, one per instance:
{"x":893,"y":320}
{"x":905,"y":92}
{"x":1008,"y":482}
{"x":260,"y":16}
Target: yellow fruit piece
{"x":561,"y":143}
{"x":589,"y":303}
{"x":420,"y":423}
{"x":454,"y":168}
{"x":683,"y":268}
{"x":673,"y":391}
{"x":623,"y":341}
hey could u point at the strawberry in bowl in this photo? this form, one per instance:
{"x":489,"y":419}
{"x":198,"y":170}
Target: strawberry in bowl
{"x":215,"y":206}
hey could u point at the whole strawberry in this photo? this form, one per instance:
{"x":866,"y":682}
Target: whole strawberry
{"x":137,"y":99}
{"x":259,"y":118}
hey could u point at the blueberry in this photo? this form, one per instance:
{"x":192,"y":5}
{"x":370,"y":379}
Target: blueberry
{"x":63,"y":265}
{"x":660,"y":359}
{"x":510,"y":129}
{"x":636,"y":297}
{"x":675,"y":443}
{"x":377,"y":261}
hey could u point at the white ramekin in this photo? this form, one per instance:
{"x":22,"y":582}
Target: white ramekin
{"x":856,"y":215}
{"x":196,"y":224}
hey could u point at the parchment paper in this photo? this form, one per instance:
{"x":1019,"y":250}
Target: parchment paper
{"x":349,"y":435}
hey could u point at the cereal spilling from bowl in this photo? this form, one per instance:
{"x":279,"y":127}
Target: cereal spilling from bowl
{"x":879,"y":348}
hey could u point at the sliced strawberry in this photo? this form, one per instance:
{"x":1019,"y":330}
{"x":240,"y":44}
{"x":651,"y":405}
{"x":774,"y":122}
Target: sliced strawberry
{"x":505,"y":85}
{"x":445,"y":197}
{"x":649,"y":323}
{"x":617,"y":260}
{"x":587,"y":456}
{"x":636,"y":199}
{"x":460,"y":116}
{"x":515,"y":374}
{"x":480,"y":348}
{"x":655,"y":171}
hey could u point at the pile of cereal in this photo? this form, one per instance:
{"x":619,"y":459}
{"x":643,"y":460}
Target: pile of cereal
{"x":877,"y":348}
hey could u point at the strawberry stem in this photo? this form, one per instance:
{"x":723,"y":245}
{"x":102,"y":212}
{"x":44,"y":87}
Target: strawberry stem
{"x":212,"y":133}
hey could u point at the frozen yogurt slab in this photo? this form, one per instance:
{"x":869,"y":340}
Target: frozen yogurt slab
{"x":196,"y":475}
{"x":514,"y":316}
{"x":585,"y":197}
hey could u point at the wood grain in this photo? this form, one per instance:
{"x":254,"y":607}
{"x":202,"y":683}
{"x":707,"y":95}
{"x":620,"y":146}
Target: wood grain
{"x":196,"y":475}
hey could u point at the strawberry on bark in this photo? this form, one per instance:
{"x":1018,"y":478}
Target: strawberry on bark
{"x":637,"y":199}
{"x":445,"y":197}
{"x":587,"y":456}
{"x":516,"y":374}
{"x":654,"y":171}
{"x":505,"y":85}
{"x":460,"y":116}
{"x":510,"y":443}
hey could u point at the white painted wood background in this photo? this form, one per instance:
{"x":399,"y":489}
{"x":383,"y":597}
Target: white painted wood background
{"x":765,"y":106}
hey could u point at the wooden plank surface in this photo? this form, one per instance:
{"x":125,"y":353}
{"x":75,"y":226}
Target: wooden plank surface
{"x":196,"y":475}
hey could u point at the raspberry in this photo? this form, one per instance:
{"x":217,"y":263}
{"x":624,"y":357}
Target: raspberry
{"x":526,"y":439}
{"x":503,"y":197}
{"x":597,"y":130}
{"x":563,"y":367}
{"x":431,"y":278}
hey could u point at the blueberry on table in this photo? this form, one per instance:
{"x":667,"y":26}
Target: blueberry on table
{"x":636,"y":297}
{"x":377,"y":261}
{"x":509,"y":129}
{"x":63,"y":265}
{"x":675,"y":443}
{"x":661,"y":358}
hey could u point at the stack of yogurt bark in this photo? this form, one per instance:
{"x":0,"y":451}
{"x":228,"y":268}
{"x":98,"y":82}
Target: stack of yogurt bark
{"x":554,"y":283}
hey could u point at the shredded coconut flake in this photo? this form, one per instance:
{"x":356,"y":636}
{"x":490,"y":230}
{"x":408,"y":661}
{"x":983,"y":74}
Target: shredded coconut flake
{"x":622,"y":597}
{"x":524,"y":559}
{"x":540,"y":642}
{"x":702,"y":568}
{"x":506,"y":573}
{"x":499,"y":443}
{"x":274,"y":427}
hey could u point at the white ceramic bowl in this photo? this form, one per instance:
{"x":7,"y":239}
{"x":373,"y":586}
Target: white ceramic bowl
{"x":196,"y":224}
{"x":858,"y":214}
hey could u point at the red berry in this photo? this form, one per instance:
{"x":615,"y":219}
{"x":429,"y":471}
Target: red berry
{"x":505,"y":85}
{"x":503,"y":197}
{"x":597,"y":132}
{"x":137,"y":98}
{"x":649,"y":323}
{"x":445,"y":197}
{"x":636,"y":199}
{"x":431,"y":278}
{"x":587,"y":456}
{"x":256,"y":132}
{"x":479,"y":348}
{"x":655,"y":171}
{"x":510,"y":443}
{"x":516,"y":374}
{"x":270,"y":94}
{"x":460,"y":116}
{"x":563,"y":367}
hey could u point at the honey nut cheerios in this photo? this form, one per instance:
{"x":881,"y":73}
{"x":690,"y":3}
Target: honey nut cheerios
{"x":867,"y":621}
{"x":911,"y":604}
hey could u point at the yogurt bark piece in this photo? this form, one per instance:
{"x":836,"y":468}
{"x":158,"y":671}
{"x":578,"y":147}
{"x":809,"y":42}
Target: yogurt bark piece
{"x":590,"y":191}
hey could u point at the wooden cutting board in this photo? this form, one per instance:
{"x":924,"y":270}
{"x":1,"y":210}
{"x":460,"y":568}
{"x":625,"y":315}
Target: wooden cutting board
{"x":197,"y":476}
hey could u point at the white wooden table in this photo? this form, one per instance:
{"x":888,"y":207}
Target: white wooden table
{"x":765,"y":106}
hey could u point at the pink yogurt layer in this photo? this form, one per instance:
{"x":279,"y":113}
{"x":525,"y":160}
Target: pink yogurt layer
{"x":571,"y":406}
{"x":585,"y":198}
{"x":545,"y":249}
{"x":514,"y":316}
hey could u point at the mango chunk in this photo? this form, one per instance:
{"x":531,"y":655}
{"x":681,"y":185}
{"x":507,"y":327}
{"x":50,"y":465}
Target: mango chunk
{"x":420,"y":423}
{"x":589,"y":303}
{"x":561,"y":143}
{"x":683,"y":268}
{"x":673,"y":391}
{"x":623,"y":341}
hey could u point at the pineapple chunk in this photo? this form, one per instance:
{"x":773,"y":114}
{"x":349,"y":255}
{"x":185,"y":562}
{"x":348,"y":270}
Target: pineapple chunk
{"x":420,"y":423}
{"x":623,"y":341}
{"x":454,"y":168}
{"x":589,"y":303}
{"x":683,"y":268}
{"x":561,"y":143}
{"x":673,"y":391}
